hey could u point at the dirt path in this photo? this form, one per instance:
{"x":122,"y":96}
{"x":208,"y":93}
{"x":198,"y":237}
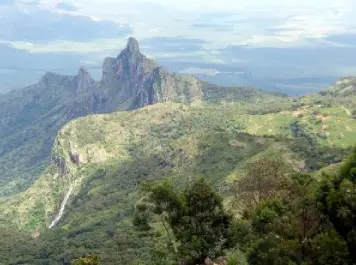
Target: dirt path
{"x":323,"y":119}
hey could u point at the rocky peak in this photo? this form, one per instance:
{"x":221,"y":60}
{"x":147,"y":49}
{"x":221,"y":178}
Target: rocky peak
{"x":73,"y":84}
{"x":131,"y":51}
{"x":82,"y":72}
{"x":83,"y":79}
{"x":133,"y":46}
{"x":51,"y":81}
{"x":49,"y":78}
{"x":129,"y":66}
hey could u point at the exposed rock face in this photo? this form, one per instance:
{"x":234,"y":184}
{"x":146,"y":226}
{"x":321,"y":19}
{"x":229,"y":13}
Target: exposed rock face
{"x":73,"y":85}
{"x":61,"y":165}
{"x":139,"y":80}
{"x":30,"y":118}
{"x":129,"y":75}
{"x":83,"y":80}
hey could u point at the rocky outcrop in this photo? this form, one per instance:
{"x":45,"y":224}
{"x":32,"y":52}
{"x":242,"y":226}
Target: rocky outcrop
{"x":83,"y":80}
{"x":344,"y":87}
{"x":140,"y":80}
{"x":30,"y":118}
{"x":61,"y":165}
{"x":74,"y":85}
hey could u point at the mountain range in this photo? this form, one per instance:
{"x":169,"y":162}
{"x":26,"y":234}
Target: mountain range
{"x":30,"y":118}
{"x":73,"y":151}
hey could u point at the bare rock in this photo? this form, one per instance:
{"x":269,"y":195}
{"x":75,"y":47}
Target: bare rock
{"x":208,"y":261}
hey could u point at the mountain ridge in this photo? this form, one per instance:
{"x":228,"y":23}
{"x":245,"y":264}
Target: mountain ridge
{"x":141,"y":123}
{"x":30,"y":118}
{"x":344,"y":87}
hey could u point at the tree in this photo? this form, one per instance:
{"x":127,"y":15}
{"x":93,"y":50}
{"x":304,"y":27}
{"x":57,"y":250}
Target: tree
{"x":329,"y":248}
{"x":264,"y":179}
{"x":353,"y":115}
{"x":281,"y":227}
{"x":196,"y":220}
{"x":270,"y":250}
{"x":337,"y":196}
{"x":89,"y":260}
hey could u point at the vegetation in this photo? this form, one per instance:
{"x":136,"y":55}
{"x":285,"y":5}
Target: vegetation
{"x":90,"y":260}
{"x":195,"y":221}
{"x":301,"y":222}
{"x":250,"y":147}
{"x":337,"y":197}
{"x":280,"y":217}
{"x":31,"y":118}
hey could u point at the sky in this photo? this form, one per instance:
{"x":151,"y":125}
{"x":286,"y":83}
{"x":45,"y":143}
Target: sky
{"x":51,"y":25}
{"x":199,"y":36}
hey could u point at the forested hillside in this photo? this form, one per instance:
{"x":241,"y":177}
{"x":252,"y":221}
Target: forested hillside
{"x":31,"y":117}
{"x":121,"y":170}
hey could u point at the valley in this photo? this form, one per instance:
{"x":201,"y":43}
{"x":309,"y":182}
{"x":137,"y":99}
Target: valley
{"x":74,"y":152}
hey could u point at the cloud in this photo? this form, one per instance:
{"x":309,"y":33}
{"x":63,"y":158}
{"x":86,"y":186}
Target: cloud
{"x":257,"y":23}
{"x":180,"y":30}
{"x":199,"y":71}
{"x":66,"y":6}
{"x":231,"y":20}
{"x":173,"y":44}
{"x":42,"y":25}
{"x":212,"y":26}
{"x":104,"y":45}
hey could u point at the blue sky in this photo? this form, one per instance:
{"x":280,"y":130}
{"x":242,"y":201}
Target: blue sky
{"x":194,"y":34}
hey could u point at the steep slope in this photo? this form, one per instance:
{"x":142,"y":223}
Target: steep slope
{"x":89,"y":191}
{"x":30,"y":118}
{"x":100,"y":160}
{"x":343,"y":88}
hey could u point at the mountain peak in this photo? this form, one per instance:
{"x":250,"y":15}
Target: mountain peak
{"x":83,"y":79}
{"x":133,"y":46}
{"x":82,"y":71}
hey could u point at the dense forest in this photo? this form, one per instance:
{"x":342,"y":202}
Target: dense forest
{"x":276,"y":216}
{"x":161,"y":168}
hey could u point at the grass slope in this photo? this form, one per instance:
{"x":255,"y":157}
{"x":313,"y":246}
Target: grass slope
{"x":111,"y":154}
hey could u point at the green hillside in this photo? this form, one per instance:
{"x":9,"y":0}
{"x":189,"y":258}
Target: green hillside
{"x":30,"y":118}
{"x":74,"y":152}
{"x":100,"y":161}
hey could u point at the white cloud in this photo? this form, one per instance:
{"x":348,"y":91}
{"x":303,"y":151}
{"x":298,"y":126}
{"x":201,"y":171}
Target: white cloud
{"x":199,"y":71}
{"x":264,"y":23}
{"x":106,"y":45}
{"x":207,"y":71}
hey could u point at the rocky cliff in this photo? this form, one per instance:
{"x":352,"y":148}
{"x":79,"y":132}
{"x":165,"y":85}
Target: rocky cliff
{"x":30,"y":118}
{"x":139,"y":81}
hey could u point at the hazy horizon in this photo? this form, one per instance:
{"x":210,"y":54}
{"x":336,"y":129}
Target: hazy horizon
{"x":294,"y":47}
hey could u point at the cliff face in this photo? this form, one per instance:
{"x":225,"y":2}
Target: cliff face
{"x":140,"y":81}
{"x":30,"y":118}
